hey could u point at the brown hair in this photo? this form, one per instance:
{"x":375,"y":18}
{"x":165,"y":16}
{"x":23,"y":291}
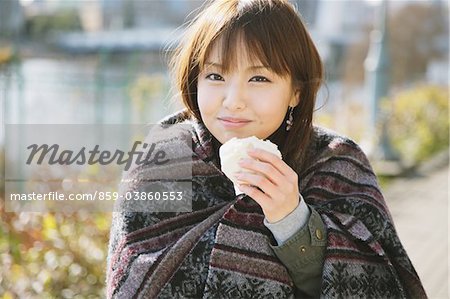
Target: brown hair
{"x":275,"y":35}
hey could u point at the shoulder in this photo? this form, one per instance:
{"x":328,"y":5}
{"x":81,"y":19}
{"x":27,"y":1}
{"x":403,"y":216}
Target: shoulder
{"x":325,"y":138}
{"x":171,"y":131}
{"x":327,"y":144}
{"x":182,"y":122}
{"x":169,"y":139}
{"x":180,"y":116}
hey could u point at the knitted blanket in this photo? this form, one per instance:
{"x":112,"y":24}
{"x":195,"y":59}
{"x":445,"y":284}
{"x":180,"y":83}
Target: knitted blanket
{"x":221,"y":249}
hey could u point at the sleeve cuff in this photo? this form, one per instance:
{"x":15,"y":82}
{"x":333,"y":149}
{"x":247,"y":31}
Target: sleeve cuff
{"x":285,"y":228}
{"x":306,"y":246}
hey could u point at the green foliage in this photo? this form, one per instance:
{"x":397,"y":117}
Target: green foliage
{"x":53,"y":255}
{"x":65,"y":20}
{"x":419,"y":123}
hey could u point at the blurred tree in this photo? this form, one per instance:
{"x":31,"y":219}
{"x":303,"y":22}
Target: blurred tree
{"x":53,"y":255}
{"x":418,"y":34}
{"x":63,"y":20}
{"x":419,"y":123}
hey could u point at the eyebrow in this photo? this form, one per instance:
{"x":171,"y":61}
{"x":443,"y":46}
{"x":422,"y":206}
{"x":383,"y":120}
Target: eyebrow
{"x":253,"y":67}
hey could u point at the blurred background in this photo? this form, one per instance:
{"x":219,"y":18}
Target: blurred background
{"x":105,"y":62}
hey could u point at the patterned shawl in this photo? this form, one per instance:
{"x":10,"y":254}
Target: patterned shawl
{"x":221,"y":249}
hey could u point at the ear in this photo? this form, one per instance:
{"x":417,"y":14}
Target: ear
{"x":295,"y":98}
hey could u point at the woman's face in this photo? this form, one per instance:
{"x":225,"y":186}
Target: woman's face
{"x":249,"y":100}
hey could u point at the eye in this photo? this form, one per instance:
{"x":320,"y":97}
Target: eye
{"x":214,"y":77}
{"x":259,"y":79}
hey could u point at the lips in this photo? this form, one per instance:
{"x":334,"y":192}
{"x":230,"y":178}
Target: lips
{"x":234,"y":120}
{"x":233,"y":123}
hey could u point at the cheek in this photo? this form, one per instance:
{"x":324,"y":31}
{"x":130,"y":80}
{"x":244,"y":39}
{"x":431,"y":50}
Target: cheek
{"x":203,"y":96}
{"x":272,"y":104}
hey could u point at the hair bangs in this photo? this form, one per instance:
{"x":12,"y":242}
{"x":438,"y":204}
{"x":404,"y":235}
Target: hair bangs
{"x":256,"y":34}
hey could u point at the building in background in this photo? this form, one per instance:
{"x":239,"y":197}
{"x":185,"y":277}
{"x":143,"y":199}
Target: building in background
{"x":12,"y":18}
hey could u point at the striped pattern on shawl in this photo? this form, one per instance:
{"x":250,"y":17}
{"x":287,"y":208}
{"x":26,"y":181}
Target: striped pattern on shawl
{"x":221,"y":249}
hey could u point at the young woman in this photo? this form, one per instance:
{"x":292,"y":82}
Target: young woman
{"x":311,"y":224}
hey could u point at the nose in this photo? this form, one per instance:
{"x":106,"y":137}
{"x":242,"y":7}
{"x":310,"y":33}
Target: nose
{"x":235,"y":97}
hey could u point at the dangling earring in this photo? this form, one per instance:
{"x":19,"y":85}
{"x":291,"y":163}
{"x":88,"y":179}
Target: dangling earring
{"x":290,"y":120}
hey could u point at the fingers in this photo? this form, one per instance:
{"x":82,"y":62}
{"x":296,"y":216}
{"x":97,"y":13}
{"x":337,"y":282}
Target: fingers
{"x":276,"y":162}
{"x":264,"y":168}
{"x":258,"y":181}
{"x":270,"y":182}
{"x":269,"y":165}
{"x":262,"y":199}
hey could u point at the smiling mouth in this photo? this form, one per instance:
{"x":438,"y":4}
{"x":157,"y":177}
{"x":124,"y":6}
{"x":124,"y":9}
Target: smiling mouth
{"x":233,"y":124}
{"x":235,"y":121}
{"x":232,"y":119}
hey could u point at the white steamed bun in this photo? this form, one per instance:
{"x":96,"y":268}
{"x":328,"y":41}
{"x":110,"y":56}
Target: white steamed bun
{"x":236,"y":148}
